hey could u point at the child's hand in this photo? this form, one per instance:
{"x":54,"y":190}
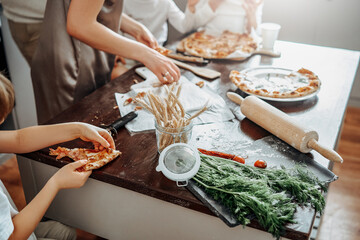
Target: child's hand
{"x":98,"y":136}
{"x":68,"y":177}
{"x":214,"y":4}
{"x":250,"y":7}
{"x":191,"y":5}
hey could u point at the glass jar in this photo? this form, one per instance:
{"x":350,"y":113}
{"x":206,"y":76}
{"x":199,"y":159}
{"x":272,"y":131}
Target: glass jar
{"x":166,"y":136}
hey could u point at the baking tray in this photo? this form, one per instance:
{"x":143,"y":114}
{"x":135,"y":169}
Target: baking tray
{"x":277,"y":154}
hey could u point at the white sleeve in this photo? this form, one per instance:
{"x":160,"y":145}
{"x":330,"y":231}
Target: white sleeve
{"x":180,"y":21}
{"x":6,"y":213}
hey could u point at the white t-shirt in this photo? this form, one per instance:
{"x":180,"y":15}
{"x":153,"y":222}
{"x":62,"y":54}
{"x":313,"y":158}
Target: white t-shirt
{"x":154,"y":14}
{"x":24,"y":11}
{"x":7,"y":212}
{"x":230,"y":15}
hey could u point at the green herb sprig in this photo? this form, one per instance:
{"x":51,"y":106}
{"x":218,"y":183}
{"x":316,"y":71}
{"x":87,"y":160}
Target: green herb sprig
{"x":272,"y":195}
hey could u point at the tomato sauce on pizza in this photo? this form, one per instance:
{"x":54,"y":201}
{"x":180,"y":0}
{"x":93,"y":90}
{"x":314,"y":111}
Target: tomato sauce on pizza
{"x":96,"y":158}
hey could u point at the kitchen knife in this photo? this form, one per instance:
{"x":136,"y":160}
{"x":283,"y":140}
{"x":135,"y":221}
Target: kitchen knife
{"x":119,"y":123}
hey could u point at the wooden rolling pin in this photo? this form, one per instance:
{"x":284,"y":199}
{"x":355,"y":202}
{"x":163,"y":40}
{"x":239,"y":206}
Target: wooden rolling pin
{"x":282,"y":125}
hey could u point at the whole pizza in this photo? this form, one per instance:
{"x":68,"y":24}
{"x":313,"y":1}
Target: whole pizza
{"x":279,"y":83}
{"x":204,"y":45}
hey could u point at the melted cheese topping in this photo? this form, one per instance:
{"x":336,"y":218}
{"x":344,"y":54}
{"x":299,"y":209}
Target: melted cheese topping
{"x":275,"y":82}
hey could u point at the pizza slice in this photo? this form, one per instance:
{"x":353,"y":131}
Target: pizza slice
{"x":164,"y":51}
{"x":96,"y":158}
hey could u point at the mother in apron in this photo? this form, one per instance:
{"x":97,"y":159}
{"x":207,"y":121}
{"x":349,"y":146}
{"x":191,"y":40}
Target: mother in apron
{"x":76,"y":51}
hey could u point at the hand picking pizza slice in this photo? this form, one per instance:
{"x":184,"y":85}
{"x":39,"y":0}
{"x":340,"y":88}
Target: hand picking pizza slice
{"x":96,"y":158}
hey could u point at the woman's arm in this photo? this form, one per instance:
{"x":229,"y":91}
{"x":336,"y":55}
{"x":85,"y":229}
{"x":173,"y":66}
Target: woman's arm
{"x":138,"y":31}
{"x":37,"y":137}
{"x":82,"y":24}
{"x":27,"y":219}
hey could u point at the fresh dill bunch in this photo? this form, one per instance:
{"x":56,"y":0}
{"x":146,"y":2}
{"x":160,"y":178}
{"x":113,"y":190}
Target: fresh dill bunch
{"x":271,"y":195}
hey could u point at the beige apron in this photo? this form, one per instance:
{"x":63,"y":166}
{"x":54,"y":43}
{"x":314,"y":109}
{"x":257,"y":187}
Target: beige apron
{"x":64,"y":69}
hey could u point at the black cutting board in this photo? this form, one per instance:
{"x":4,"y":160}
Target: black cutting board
{"x":276,"y":153}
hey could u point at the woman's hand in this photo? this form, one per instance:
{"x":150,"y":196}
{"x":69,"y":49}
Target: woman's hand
{"x":98,"y":136}
{"x":68,"y":177}
{"x":164,"y":69}
{"x":138,"y":31}
{"x":144,"y":36}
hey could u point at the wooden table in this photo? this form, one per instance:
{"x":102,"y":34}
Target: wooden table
{"x":128,"y":199}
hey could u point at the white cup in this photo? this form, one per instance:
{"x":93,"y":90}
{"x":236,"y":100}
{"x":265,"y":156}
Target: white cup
{"x":269,"y":34}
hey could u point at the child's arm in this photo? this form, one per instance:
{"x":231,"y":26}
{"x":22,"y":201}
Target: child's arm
{"x":253,"y":11}
{"x":191,"y":4}
{"x":194,"y":17}
{"x":27,"y":219}
{"x":203,"y":11}
{"x":180,"y":21}
{"x":37,"y":137}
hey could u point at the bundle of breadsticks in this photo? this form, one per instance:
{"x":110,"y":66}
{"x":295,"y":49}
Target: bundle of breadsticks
{"x":172,"y":121}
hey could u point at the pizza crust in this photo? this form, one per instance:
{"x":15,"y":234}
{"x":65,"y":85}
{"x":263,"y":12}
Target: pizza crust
{"x":297,"y":84}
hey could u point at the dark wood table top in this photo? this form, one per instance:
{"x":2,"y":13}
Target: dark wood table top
{"x":135,"y":170}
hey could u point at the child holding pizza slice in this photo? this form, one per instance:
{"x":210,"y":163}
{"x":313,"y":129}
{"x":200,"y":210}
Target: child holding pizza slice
{"x":23,"y":224}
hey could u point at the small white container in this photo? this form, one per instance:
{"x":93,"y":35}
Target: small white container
{"x":269,"y":34}
{"x":179,"y":162}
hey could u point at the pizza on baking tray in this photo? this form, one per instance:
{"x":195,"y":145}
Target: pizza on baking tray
{"x":296,"y":84}
{"x":204,"y":45}
{"x":96,"y":158}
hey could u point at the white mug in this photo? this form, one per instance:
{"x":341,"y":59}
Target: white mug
{"x":269,"y":34}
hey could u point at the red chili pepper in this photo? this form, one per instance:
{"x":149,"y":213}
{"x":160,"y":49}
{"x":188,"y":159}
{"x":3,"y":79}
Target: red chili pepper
{"x":239,"y":159}
{"x":260,"y":164}
{"x":222,"y":155}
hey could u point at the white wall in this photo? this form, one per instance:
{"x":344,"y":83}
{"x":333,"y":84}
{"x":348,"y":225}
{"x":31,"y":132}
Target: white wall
{"x":332,"y":23}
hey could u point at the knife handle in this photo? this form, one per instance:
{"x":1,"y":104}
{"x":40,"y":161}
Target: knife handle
{"x":115,"y":126}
